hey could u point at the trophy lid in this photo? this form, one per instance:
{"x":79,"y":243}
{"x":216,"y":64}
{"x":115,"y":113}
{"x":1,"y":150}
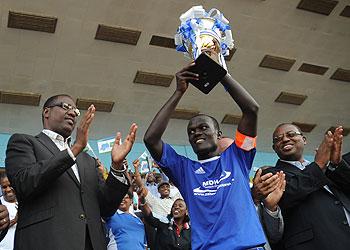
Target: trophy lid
{"x":198,"y":27}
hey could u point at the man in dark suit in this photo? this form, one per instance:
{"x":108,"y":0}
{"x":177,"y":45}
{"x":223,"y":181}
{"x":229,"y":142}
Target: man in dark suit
{"x":315,"y":204}
{"x":61,"y":198}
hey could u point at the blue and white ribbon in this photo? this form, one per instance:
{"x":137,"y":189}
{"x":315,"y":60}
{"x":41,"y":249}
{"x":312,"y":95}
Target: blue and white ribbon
{"x":194,"y":23}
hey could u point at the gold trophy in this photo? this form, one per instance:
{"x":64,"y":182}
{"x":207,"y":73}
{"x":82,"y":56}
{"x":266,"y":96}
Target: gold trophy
{"x":206,"y":38}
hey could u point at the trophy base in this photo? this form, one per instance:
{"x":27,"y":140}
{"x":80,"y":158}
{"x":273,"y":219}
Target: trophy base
{"x":210,"y":73}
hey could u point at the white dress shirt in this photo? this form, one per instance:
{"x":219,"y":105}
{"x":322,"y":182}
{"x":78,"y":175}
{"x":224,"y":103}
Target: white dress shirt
{"x":62,"y":144}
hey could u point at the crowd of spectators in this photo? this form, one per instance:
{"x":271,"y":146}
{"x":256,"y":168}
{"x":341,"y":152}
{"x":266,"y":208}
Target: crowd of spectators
{"x":56,"y":196}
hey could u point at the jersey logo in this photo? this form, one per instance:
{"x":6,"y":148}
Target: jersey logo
{"x":199,"y":171}
{"x":210,"y":187}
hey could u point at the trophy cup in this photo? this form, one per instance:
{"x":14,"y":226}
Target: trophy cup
{"x":206,"y":38}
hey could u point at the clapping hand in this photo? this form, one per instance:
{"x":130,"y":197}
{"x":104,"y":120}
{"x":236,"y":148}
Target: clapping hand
{"x":120,"y":151}
{"x":323,"y":153}
{"x":83,"y":131}
{"x":263,"y":185}
{"x":336,"y":152}
{"x":4,"y":217}
{"x":274,"y":197}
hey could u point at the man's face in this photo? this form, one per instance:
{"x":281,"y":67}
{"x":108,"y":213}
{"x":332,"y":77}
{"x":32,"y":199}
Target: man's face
{"x":164,"y":190}
{"x":60,"y":120}
{"x":158,"y":179}
{"x":7,"y":190}
{"x":150,"y":177}
{"x":288,"y":143}
{"x":125,"y":204}
{"x":203,"y":136}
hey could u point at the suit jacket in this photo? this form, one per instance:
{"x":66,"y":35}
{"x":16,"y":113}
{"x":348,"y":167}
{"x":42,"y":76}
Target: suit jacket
{"x":55,"y":210}
{"x":314,"y":218}
{"x":273,"y":226}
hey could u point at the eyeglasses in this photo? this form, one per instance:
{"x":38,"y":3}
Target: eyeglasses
{"x":289,"y":134}
{"x":66,"y":107}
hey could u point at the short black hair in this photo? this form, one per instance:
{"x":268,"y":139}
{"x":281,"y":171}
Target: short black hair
{"x":186,"y":219}
{"x":216,"y":123}
{"x":130,"y":194}
{"x":51,"y":101}
{"x":162,"y":184}
{"x":3,"y":175}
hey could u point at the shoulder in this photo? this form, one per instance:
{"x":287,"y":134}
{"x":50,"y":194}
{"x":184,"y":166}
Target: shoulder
{"x":17,"y":137}
{"x":21,"y":140}
{"x":170,"y":155}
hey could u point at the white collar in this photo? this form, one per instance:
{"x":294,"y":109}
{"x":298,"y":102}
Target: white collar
{"x":122,"y":212}
{"x":55,"y":136}
{"x":298,"y":164}
{"x":209,"y":159}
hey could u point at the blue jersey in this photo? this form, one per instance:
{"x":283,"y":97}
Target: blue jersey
{"x":128,"y":231}
{"x":218,"y":197}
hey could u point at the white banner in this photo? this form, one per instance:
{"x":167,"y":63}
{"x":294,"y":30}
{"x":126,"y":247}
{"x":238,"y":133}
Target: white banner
{"x":105,"y":145}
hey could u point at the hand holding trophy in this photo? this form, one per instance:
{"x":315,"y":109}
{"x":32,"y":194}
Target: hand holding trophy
{"x":206,"y":38}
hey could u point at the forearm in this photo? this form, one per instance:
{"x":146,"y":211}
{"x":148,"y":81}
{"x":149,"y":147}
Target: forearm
{"x":149,"y":218}
{"x":157,"y":127}
{"x":340,"y":175}
{"x":145,"y":209}
{"x":247,"y":104}
{"x":273,"y":223}
{"x":138,"y":179}
{"x":111,"y":194}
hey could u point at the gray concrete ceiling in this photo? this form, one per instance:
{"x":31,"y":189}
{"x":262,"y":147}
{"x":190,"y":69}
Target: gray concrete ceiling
{"x":72,"y":61}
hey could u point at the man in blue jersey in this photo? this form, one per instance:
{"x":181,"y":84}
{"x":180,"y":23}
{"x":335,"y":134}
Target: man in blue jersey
{"x":216,"y":187}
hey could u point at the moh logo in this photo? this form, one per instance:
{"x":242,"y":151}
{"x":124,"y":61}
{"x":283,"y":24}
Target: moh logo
{"x":210,"y":187}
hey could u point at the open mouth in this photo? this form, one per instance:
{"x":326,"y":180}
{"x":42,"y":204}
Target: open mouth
{"x":287,"y":147}
{"x":176,"y":212}
{"x":198,"y":141}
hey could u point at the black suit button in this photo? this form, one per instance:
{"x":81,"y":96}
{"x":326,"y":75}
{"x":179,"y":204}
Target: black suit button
{"x":82,"y":216}
{"x":337,"y":202}
{"x":345,"y":222}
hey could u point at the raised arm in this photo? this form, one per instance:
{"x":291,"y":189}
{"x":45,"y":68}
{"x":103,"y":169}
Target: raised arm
{"x":153,"y":135}
{"x":247,"y":104}
{"x":145,"y":209}
{"x":142,"y":189}
{"x":339,"y":170}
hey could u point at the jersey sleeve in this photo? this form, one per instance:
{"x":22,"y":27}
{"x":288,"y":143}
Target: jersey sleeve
{"x":245,"y":149}
{"x":173,"y":165}
{"x":245,"y":142}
